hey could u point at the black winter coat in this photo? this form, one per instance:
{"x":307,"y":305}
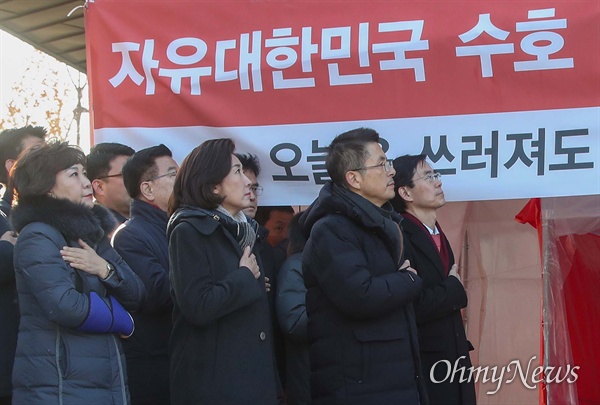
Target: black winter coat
{"x":290,"y":305}
{"x":441,"y":331}
{"x":142,"y":243}
{"x":363,"y":337}
{"x":272,"y":257}
{"x":221,"y":346}
{"x":56,"y":362}
{"x":9,"y":310}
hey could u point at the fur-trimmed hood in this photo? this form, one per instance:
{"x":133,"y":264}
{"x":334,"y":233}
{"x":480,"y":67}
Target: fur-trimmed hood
{"x":73,"y":221}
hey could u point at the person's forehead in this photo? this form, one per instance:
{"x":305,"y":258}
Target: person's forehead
{"x":166,"y":161}
{"x":375,"y":151}
{"x":250,"y":174}
{"x":76,"y":166}
{"x":118,"y":162}
{"x":29,"y":141}
{"x":424,"y":167}
{"x":281,"y":216}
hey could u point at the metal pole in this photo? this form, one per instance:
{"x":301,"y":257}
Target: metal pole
{"x":546,"y":306}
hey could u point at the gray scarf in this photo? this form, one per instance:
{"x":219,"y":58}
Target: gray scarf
{"x":239,"y":227}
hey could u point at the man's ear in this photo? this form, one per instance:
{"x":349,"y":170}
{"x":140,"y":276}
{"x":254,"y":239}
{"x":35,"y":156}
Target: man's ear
{"x":146,"y":190}
{"x":353,"y":179}
{"x":404,"y":193}
{"x":98,"y":187}
{"x":8,"y":164}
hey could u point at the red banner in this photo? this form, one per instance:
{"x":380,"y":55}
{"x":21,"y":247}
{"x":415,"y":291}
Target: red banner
{"x":262,"y":64}
{"x":240,"y":63}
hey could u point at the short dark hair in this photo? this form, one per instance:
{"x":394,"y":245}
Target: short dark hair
{"x":11,"y":144}
{"x":249,"y":162}
{"x":34,"y":174}
{"x":296,"y":239}
{"x":141,"y":166}
{"x":405,"y":167}
{"x":201,"y":171}
{"x":263,"y":213}
{"x":348,"y":151}
{"x":98,"y":161}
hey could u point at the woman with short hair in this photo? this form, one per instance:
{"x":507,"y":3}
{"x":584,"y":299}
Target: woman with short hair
{"x":74,"y":290}
{"x":221,"y":346}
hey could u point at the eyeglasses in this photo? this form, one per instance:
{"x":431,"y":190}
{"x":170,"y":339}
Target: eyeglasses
{"x":257,"y":190}
{"x":110,"y":175}
{"x":387,"y":166}
{"x":171,"y":173}
{"x":431,"y":177}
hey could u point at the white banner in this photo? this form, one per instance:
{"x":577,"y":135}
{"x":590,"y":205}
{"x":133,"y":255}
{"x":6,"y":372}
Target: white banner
{"x":481,"y":156}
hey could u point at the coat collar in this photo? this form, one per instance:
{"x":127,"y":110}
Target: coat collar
{"x":73,"y":221}
{"x":120,"y":218}
{"x":205,"y":221}
{"x":421,"y":240}
{"x":149,"y":212}
{"x":334,"y":199}
{"x":208,"y":221}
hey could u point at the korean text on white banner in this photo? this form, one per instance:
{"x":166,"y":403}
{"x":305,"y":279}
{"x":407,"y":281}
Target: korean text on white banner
{"x":503,"y":96}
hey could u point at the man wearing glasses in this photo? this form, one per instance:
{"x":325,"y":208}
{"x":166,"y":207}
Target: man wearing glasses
{"x":442,"y":336}
{"x":149,"y":177}
{"x":361,"y":325}
{"x":270,"y":257}
{"x":104,"y":169}
{"x":251,"y":169}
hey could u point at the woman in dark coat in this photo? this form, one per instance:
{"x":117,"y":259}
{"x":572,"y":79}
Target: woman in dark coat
{"x":221,"y":344}
{"x":74,"y":289}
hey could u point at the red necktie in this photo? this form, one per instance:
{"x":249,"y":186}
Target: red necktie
{"x":438,"y":241}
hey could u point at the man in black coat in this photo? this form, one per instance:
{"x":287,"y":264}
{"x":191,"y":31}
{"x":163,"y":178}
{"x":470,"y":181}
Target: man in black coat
{"x":13,"y":144}
{"x":274,"y":220}
{"x":361,"y":325}
{"x":149,"y":176}
{"x":442,"y":336}
{"x":272,"y":257}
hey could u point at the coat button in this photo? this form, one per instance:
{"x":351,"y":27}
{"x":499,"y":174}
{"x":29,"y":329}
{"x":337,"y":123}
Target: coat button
{"x":262,"y":336}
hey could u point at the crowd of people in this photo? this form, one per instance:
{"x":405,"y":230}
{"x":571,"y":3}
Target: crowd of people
{"x":129,"y":279}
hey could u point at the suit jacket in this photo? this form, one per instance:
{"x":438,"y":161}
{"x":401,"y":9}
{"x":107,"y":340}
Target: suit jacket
{"x":439,"y":321}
